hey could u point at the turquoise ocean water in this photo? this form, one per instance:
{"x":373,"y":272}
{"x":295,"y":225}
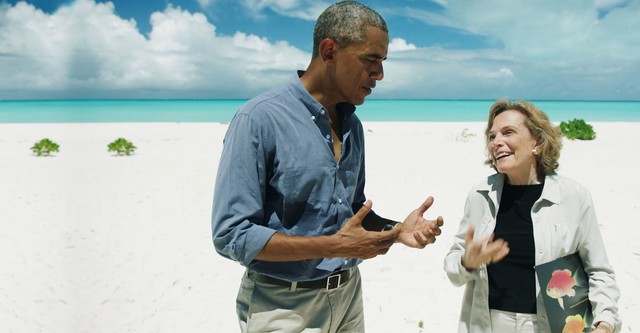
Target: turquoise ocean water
{"x":84,"y":111}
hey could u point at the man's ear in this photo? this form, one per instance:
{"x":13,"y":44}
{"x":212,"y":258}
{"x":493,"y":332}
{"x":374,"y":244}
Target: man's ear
{"x":327,"y":48}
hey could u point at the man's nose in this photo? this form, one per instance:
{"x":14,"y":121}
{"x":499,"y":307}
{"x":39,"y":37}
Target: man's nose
{"x":377,"y":73}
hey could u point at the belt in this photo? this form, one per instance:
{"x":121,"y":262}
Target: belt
{"x":333,"y":281}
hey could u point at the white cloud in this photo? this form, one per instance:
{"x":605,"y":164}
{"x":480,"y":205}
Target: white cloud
{"x":205,"y":3}
{"x":552,"y":30}
{"x":86,"y":50}
{"x":546,"y":49}
{"x":505,"y":72}
{"x":440,"y":73}
{"x":399,"y":45}
{"x":609,"y":3}
{"x":429,"y":18}
{"x":302,"y":9}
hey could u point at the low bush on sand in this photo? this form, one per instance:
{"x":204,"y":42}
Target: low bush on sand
{"x":121,"y":146}
{"x":577,"y":129}
{"x":45,"y":147}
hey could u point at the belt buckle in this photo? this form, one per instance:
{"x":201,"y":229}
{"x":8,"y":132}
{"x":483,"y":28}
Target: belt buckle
{"x":333,"y":281}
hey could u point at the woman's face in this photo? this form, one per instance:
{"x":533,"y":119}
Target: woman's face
{"x":512,"y":147}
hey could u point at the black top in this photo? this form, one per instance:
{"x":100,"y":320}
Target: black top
{"x":512,"y":283}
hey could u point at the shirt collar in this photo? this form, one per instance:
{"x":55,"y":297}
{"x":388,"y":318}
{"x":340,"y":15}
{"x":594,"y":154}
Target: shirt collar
{"x":314,"y":107}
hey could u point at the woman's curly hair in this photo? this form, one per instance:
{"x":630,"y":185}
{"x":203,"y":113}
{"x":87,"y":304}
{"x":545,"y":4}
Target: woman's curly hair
{"x":548,"y":136}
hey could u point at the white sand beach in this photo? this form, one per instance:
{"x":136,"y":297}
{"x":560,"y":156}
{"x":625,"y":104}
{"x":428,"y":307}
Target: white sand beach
{"x":92,"y":242}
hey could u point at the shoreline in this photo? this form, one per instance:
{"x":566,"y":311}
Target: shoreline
{"x":98,"y":242}
{"x":223,"y":110}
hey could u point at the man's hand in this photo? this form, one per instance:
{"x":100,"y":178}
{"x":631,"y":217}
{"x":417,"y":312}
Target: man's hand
{"x":353,"y":241}
{"x":417,"y":232}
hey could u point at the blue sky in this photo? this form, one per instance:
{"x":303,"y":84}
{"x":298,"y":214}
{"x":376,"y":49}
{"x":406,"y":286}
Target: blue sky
{"x":440,"y":49}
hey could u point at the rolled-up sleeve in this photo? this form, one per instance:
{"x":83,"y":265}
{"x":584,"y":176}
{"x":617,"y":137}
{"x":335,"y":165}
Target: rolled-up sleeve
{"x":238,"y":223}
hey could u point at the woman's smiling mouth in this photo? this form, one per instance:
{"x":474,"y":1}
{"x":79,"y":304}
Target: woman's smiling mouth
{"x":501,"y":155}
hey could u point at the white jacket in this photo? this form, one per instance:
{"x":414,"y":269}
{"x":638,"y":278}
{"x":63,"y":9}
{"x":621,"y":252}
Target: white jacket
{"x":564,"y":222}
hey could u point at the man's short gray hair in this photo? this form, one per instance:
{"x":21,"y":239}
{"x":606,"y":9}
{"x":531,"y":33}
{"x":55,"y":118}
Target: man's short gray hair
{"x":345,"y":22}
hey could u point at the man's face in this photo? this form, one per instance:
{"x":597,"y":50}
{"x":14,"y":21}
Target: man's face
{"x":359,"y":66}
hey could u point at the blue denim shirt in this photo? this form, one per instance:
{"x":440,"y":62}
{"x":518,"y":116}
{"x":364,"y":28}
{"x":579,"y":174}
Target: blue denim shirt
{"x":277,"y":173}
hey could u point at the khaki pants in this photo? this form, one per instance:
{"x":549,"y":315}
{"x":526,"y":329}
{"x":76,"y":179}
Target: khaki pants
{"x":511,"y":322}
{"x":264,"y":307}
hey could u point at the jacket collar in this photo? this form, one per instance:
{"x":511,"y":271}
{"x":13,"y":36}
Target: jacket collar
{"x":551,"y":190}
{"x":494,"y":184}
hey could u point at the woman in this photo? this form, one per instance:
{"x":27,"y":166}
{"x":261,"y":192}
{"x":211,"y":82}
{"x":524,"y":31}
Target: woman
{"x":525,"y":215}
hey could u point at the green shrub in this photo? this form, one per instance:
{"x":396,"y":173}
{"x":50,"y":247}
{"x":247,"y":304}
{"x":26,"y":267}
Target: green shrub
{"x":577,"y":129}
{"x":45,"y":147}
{"x":121,"y":147}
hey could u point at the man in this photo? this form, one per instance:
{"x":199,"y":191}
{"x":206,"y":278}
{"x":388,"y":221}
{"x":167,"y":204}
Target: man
{"x":290,"y":178}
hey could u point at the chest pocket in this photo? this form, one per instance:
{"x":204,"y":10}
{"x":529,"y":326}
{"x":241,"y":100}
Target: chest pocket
{"x":302,"y":194}
{"x":556,"y":231}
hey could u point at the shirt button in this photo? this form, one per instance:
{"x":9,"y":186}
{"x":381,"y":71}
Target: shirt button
{"x":313,"y":118}
{"x":339,"y":200}
{"x":321,"y":111}
{"x":346,"y":261}
{"x":540,"y":251}
{"x":328,"y":137}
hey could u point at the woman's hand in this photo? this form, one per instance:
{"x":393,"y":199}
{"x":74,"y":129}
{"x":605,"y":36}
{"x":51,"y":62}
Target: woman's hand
{"x":486,"y":251}
{"x":603,"y":327}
